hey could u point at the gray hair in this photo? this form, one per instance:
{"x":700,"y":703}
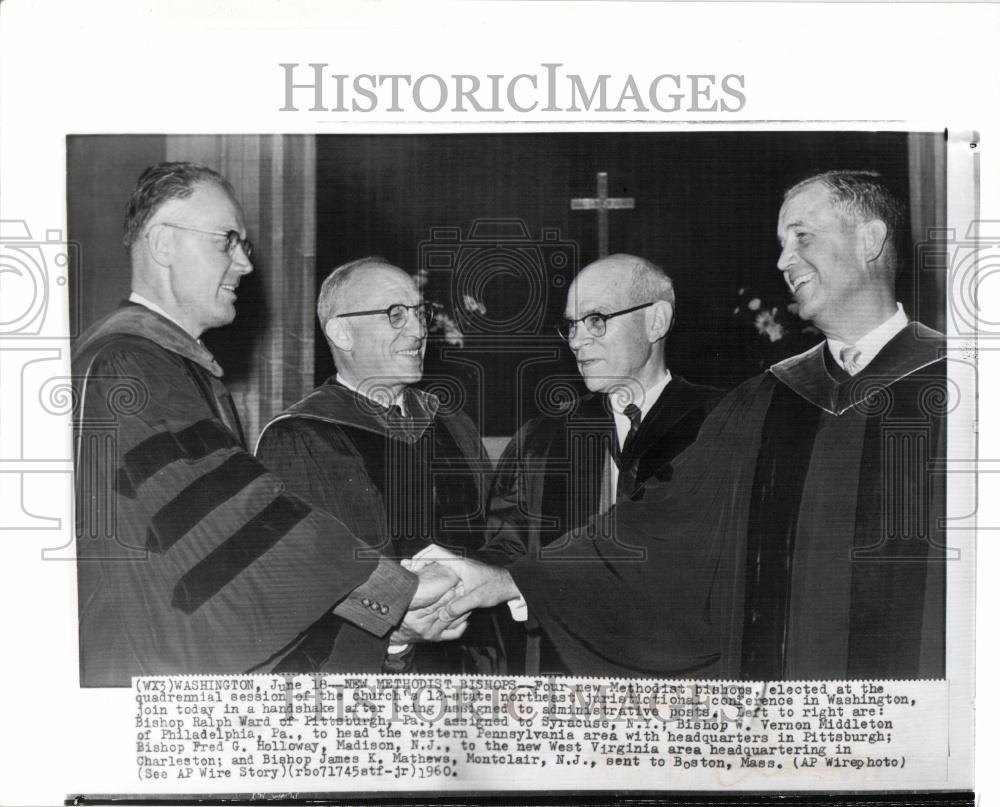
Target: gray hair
{"x":159,"y":184}
{"x":861,"y":196}
{"x":650,"y":282}
{"x":331,"y":293}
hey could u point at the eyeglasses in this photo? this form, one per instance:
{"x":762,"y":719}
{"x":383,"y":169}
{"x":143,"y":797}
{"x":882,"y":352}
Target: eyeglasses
{"x":596,"y":324}
{"x":233,"y":238}
{"x":398,"y":313}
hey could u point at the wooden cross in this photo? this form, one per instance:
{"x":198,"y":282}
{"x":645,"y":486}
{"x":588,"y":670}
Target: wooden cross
{"x":602,"y":204}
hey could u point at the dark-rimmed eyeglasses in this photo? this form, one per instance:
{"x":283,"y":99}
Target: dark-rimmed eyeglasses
{"x":596,"y":324}
{"x":233,"y":238}
{"x":398,"y":313}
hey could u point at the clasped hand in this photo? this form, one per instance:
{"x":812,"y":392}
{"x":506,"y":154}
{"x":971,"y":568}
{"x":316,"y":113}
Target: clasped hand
{"x":437,"y":585}
{"x":450,"y":588}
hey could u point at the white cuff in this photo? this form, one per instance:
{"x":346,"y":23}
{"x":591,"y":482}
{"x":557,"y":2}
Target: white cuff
{"x":518,"y":609}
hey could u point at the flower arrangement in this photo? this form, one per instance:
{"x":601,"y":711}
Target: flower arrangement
{"x":444,"y":321}
{"x":774,"y":328}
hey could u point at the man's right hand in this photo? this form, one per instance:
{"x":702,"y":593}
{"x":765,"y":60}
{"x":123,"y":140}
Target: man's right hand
{"x":436,"y":584}
{"x":484,"y":586}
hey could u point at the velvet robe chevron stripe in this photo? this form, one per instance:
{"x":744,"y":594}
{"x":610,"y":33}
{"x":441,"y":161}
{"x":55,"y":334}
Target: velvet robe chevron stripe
{"x":192,"y":557}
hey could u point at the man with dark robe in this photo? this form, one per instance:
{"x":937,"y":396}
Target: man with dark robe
{"x":386,"y":458}
{"x":564,"y":467}
{"x":802,"y":533}
{"x":191,"y":556}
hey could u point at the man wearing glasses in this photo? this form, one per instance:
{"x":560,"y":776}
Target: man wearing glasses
{"x":802,"y":535}
{"x":561,"y":469}
{"x":388,"y":460}
{"x":192,"y":557}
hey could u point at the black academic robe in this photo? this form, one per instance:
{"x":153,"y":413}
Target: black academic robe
{"x":549,"y":479}
{"x":192,"y":557}
{"x":800,"y":537}
{"x":400,"y":484}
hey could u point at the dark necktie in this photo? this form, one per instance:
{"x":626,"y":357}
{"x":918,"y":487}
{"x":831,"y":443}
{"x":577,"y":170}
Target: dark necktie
{"x":634,"y":414}
{"x":399,"y":425}
{"x":626,"y":463}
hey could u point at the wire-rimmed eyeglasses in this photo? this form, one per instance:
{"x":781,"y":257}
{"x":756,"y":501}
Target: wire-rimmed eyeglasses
{"x":398,"y":313}
{"x":595,"y":323}
{"x":233,"y":238}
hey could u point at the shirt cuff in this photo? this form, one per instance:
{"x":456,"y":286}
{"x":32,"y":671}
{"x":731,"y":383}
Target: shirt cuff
{"x":518,"y":609}
{"x":378,"y":604}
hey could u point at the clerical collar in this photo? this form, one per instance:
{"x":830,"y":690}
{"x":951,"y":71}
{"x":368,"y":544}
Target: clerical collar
{"x":872,"y":342}
{"x":135,"y":297}
{"x":400,"y":402}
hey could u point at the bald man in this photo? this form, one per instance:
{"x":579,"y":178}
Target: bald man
{"x":568,"y":465}
{"x":389,"y":461}
{"x":802,"y":535}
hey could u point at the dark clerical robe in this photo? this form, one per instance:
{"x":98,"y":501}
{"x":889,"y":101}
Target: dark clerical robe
{"x":192,"y":557}
{"x":801,"y":536}
{"x":550,"y":479}
{"x":400,"y":483}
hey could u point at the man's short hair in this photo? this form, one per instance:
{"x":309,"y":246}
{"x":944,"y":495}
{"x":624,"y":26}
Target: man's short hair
{"x":650,"y":282}
{"x":160,"y":183}
{"x":331,"y":293}
{"x":861,"y":196}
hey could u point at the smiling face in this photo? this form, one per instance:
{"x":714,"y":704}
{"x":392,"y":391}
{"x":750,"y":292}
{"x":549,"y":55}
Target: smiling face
{"x":380,"y":356}
{"x":202,"y":278}
{"x":625,"y":355}
{"x":822,"y":259}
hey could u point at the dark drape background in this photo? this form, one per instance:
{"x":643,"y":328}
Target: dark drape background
{"x":491,"y":214}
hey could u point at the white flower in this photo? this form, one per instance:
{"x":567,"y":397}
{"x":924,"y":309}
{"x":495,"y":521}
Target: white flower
{"x":473,"y":305}
{"x":452,"y":334}
{"x":754,"y":304}
{"x":765,"y":323}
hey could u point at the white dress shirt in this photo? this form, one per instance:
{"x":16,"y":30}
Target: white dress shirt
{"x":872,"y":342}
{"x":623,"y":424}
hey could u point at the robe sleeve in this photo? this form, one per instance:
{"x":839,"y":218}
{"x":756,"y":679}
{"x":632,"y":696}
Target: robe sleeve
{"x":192,"y":557}
{"x":318,"y":462}
{"x":646,"y":589}
{"x":510,"y":523}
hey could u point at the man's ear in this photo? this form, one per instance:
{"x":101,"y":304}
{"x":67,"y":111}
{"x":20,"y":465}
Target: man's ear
{"x":658,"y":320}
{"x":161,"y":244}
{"x":339,"y":333}
{"x":873,"y":238}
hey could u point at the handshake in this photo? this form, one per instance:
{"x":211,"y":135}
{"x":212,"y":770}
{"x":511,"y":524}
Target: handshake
{"x":449,"y":589}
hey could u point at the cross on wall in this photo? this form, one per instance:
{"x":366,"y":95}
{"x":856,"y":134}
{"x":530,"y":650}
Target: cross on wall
{"x":602,"y":203}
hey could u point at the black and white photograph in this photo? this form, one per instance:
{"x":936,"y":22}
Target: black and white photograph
{"x":388,"y":415}
{"x":652,"y":335}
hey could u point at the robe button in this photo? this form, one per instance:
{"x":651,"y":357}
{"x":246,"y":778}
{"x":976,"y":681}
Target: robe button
{"x":384,"y":609}
{"x":366,"y":602}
